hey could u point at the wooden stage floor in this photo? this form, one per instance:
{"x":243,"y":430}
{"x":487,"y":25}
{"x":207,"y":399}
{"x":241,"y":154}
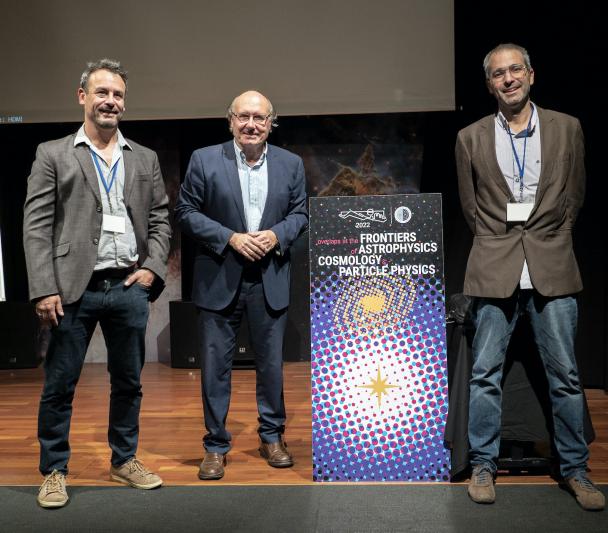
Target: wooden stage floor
{"x":172,"y":428}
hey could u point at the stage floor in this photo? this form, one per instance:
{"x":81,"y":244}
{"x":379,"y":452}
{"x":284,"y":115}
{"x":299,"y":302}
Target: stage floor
{"x":172,"y":429}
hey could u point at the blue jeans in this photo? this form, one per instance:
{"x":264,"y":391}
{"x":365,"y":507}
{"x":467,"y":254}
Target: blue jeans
{"x":122,"y":313}
{"x":553,"y":322}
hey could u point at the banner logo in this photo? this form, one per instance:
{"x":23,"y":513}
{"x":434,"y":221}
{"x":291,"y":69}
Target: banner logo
{"x":403,"y":214}
{"x":372,"y":215}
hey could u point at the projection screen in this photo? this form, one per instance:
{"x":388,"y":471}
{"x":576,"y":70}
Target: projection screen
{"x":188,"y":58}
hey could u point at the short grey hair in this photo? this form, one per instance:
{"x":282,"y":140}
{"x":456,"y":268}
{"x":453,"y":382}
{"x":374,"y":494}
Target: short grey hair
{"x":102,"y":64}
{"x":500,"y":48}
{"x":273,"y":114}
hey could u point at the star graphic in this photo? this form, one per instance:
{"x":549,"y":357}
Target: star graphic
{"x":378,"y":387}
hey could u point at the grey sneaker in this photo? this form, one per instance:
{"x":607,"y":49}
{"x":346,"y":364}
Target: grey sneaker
{"x":481,"y":486}
{"x":52,"y":492}
{"x":586,"y":493}
{"x":135,"y":474}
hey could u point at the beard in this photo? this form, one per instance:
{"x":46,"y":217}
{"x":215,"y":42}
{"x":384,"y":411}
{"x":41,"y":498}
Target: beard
{"x":517,"y":100}
{"x":106,"y":122}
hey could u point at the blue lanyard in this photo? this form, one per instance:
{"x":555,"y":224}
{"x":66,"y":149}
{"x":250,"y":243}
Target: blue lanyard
{"x":107,"y":187}
{"x":521,"y":167}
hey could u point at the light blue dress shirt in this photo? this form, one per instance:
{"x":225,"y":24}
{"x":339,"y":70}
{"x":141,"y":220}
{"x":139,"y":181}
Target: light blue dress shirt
{"x":508,"y":166}
{"x":115,"y":250}
{"x":254,"y":186}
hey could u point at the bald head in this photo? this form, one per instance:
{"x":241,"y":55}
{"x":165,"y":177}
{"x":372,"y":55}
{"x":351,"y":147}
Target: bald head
{"x":251,"y":98}
{"x":250,"y":118}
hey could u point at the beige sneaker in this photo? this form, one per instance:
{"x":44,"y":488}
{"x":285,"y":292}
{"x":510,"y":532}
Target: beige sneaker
{"x":481,"y":486}
{"x":52,"y":492}
{"x":586,"y":493}
{"x":135,"y":474}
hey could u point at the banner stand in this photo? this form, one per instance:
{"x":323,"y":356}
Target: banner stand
{"x":378,"y":350}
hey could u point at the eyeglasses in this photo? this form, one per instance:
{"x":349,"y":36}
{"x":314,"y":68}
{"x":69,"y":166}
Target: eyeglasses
{"x":517,"y":71}
{"x":243,"y":118}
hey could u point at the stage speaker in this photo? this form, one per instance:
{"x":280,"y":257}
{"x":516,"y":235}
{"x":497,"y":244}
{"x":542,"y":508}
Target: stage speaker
{"x":185,"y":346}
{"x":297,"y":332}
{"x":21,"y":339}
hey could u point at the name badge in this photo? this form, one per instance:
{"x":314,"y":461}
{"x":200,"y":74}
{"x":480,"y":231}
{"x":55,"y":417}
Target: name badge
{"x":113,"y":224}
{"x":517,"y":212}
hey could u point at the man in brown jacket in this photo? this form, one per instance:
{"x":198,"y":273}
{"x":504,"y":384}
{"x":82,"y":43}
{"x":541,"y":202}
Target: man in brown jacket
{"x":521,"y":179}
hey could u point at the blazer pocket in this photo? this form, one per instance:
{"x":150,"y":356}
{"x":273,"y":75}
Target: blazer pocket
{"x":61,"y":249}
{"x":143,"y":180}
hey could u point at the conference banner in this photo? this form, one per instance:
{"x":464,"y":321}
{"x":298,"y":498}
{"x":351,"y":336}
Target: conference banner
{"x":378,"y":350}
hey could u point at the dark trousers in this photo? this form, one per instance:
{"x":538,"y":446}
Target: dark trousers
{"x":122,"y":313}
{"x":218,"y":340}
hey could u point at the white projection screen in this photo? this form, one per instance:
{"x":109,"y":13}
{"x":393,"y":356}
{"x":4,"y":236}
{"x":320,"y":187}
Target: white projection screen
{"x":188,"y":58}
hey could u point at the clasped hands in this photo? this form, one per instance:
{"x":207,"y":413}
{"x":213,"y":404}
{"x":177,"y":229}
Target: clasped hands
{"x":255,"y":245}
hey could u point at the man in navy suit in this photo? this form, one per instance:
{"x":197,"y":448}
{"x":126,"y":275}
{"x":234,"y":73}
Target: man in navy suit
{"x":244,"y":203}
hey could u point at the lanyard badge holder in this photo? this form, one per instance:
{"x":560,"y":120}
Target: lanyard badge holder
{"x":110,"y":223}
{"x":520,"y":211}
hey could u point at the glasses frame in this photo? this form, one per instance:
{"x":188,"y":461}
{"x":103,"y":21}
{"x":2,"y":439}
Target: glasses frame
{"x":499,"y":74}
{"x":251,"y":117}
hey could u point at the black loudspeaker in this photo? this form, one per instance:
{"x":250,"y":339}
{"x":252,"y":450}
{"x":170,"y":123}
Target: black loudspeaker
{"x":185,"y":347}
{"x":21,"y":338}
{"x":297,"y":332}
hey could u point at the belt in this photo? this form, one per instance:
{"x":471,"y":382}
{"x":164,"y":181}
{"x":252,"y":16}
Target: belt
{"x":102,"y":280}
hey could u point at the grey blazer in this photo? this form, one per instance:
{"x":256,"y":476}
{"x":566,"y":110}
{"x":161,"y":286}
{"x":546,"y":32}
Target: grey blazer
{"x":63,"y":216}
{"x":545,"y":239}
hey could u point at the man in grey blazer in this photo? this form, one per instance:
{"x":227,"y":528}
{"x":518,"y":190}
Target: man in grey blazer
{"x":521,"y":179}
{"x":244,"y":203}
{"x":96,"y":238}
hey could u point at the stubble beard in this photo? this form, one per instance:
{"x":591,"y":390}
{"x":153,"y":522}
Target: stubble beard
{"x":107,"y":123}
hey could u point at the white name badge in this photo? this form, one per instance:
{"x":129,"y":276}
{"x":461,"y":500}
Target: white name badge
{"x":113,"y":224}
{"x":517,"y":212}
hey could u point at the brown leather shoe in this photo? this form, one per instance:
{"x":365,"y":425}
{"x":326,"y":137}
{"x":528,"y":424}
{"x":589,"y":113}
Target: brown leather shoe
{"x":212,"y":466}
{"x":276,"y":454}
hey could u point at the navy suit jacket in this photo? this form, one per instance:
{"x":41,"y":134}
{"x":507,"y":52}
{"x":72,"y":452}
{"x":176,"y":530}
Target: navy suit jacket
{"x":210,"y":209}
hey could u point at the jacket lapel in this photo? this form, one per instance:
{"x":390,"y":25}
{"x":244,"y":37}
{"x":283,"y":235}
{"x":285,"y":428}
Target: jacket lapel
{"x":86,"y":164}
{"x":129,"y":159}
{"x":273,"y":183}
{"x":232,"y":174}
{"x":487,"y":141}
{"x":547,"y":148}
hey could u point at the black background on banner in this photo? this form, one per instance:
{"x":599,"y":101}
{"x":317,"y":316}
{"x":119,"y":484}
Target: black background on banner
{"x":423,"y":227}
{"x":567,"y":50}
